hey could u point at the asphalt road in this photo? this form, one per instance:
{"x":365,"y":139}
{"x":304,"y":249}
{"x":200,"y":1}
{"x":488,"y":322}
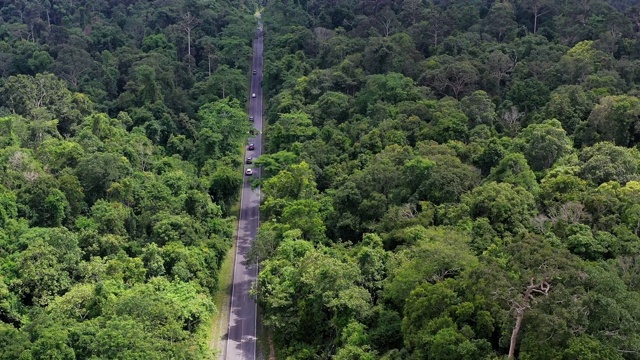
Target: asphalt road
{"x":241,"y":335}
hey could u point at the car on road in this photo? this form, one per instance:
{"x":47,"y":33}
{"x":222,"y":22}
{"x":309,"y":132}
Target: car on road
{"x":250,"y":118}
{"x":248,"y":172}
{"x":249,"y":160}
{"x":252,"y":147}
{"x":253,"y":95}
{"x":254,"y":72}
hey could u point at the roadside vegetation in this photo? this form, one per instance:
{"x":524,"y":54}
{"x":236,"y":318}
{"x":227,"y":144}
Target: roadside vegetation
{"x":451,"y":180}
{"x":120,"y":129}
{"x":444,"y":180}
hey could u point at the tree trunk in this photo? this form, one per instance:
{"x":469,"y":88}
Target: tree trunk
{"x":49,"y":21}
{"x":188,"y":23}
{"x":514,"y":335}
{"x":525,"y":303}
{"x":189,"y":41}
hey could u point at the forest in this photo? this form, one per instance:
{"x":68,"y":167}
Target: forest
{"x":444,"y":179}
{"x":451,"y":180}
{"x":122,"y":125}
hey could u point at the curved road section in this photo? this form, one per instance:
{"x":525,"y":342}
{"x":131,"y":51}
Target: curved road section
{"x":241,"y":335}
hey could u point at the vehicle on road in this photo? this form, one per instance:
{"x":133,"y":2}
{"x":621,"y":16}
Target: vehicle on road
{"x":249,"y":160}
{"x":241,"y":342}
{"x":250,"y":118}
{"x":254,"y":72}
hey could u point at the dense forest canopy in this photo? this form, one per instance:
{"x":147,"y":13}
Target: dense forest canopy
{"x":445,"y":179}
{"x":451,"y":179}
{"x":121,"y":125}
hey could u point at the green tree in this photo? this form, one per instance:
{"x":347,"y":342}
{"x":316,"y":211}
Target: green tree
{"x":433,"y":315}
{"x":438,"y":254}
{"x":514,"y":169}
{"x":98,"y":171}
{"x":528,"y":95}
{"x":615,"y":119}
{"x":223,"y":82}
{"x":479,"y":109}
{"x":273,"y":163}
{"x":288,"y":129}
{"x":47,"y":265}
{"x":73,"y":64}
{"x":42,"y":202}
{"x":45,"y":97}
{"x":60,"y":154}
{"x":391,"y":88}
{"x":451,"y":76}
{"x":328,"y":285}
{"x":507,"y":207}
{"x":570,"y":104}
{"x":307,"y":216}
{"x":224,"y":184}
{"x":500,"y":22}
{"x":110,"y":218}
{"x":581,"y":60}
{"x":448,"y":180}
{"x":543,"y":144}
{"x":332,"y":106}
{"x":14,"y":343}
{"x":8,"y":205}
{"x":606,"y":162}
{"x":296,"y":182}
{"x":223,"y":126}
{"x":560,"y":186}
{"x":448,"y":122}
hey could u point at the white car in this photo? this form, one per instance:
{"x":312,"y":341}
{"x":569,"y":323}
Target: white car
{"x":253,"y":95}
{"x":248,"y":172}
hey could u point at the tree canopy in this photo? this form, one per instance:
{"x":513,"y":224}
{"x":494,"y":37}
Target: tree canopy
{"x":121,"y":129}
{"x":463,"y":174}
{"x":444,"y":179}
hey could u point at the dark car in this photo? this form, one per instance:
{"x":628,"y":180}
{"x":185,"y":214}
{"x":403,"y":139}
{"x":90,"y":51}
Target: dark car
{"x":252,"y":147}
{"x":249,"y":160}
{"x":254,"y":72}
{"x":250,"y":118}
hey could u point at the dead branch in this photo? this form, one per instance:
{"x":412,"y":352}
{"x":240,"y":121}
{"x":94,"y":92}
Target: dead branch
{"x":519,"y":307}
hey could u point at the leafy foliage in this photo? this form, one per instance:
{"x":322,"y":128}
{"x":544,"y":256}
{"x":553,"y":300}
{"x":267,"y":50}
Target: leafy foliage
{"x":464,"y":174}
{"x":119,"y":142}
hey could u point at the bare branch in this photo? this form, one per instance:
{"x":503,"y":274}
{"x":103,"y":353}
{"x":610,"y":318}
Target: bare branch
{"x":541,"y":287}
{"x":187,"y":24}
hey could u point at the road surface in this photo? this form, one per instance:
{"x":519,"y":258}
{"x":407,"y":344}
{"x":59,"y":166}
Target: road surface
{"x":241,"y":335}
